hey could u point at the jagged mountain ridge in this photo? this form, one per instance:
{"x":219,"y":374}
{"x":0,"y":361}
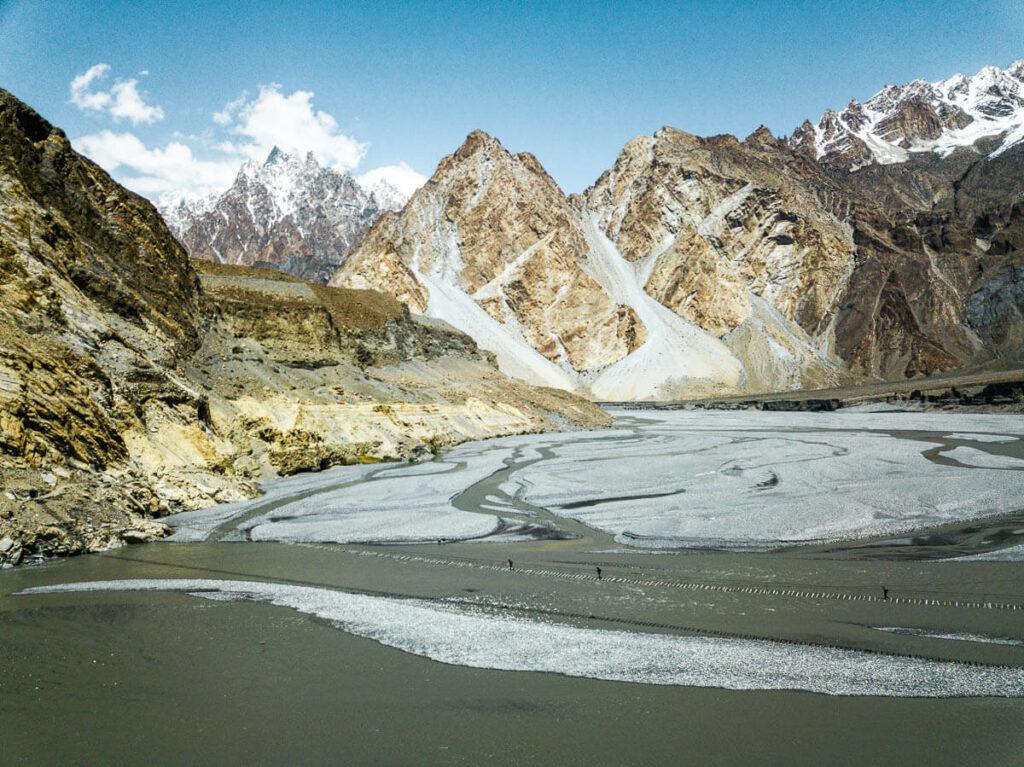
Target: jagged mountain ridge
{"x":491,"y":245}
{"x":731,"y":266}
{"x":456,"y":254}
{"x":288,"y":212}
{"x":939,"y":117}
{"x":706,"y":266}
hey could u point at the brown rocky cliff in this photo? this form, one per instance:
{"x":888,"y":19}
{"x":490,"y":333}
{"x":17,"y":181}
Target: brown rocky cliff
{"x":109,"y":243}
{"x":498,"y":226}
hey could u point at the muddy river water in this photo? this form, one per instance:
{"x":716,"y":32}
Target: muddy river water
{"x":707,"y":588}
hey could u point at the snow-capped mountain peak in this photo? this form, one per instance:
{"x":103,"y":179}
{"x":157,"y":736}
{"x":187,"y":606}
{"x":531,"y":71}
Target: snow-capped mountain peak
{"x":921,"y":116}
{"x":287,"y":211}
{"x":388,"y":197}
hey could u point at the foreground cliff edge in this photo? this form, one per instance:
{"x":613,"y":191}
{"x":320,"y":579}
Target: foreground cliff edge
{"x":133,"y":384}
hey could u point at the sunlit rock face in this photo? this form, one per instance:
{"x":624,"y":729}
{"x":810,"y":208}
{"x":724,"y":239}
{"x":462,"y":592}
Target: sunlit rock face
{"x":496,"y":232}
{"x":698,"y":266}
{"x":720,"y":224}
{"x":575,"y":282}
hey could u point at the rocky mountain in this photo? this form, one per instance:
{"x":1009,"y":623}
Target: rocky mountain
{"x":984,"y":112}
{"x":135,"y":382}
{"x":667,"y":278}
{"x":949,"y":169}
{"x":492,"y":245}
{"x":287,"y":213}
{"x":880,"y":243}
{"x":704,"y":266}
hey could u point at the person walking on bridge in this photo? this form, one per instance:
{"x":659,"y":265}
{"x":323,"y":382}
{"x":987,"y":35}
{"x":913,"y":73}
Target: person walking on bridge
{"x":510,"y":565}
{"x":599,"y":573}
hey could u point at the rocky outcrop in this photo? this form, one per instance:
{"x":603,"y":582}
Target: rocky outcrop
{"x":133,"y":384}
{"x":960,"y":218}
{"x":624,"y":289}
{"x":720,"y":221}
{"x":865,"y":279}
{"x":708,"y":266}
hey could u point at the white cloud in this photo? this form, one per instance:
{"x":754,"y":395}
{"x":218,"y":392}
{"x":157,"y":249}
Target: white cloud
{"x":152,"y":172}
{"x":129,"y":104}
{"x":82,"y":97}
{"x":293,"y":124}
{"x":245,"y":128}
{"x":401,"y":177}
{"x":122,"y":102}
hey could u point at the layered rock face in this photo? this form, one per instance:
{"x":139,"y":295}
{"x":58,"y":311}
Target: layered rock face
{"x":287,"y":213}
{"x":942,"y":165}
{"x":132,"y":385}
{"x":706,"y":266}
{"x":919,"y":117}
{"x":880,"y":272}
{"x":492,"y":245}
{"x":744,"y":240}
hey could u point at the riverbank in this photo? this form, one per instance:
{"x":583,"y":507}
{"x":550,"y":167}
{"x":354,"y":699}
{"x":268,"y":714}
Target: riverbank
{"x":976,"y":391}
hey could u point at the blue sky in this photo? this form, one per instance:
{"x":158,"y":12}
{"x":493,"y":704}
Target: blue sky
{"x":404,"y":82}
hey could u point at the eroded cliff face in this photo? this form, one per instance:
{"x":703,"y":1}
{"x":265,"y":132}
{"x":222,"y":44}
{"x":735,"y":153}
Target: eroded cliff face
{"x":732,"y":266}
{"x":731,"y":239}
{"x":947,"y":236}
{"x":868,"y":279}
{"x":496,"y":229}
{"x":133,"y":385}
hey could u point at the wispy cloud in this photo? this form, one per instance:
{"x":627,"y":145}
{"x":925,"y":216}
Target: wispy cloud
{"x":246,"y":128}
{"x":122,"y":101}
{"x":227,"y":114}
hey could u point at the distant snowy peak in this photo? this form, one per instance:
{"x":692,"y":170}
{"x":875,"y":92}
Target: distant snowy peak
{"x":292,"y":183}
{"x":287,"y":211}
{"x":388,"y":197}
{"x":285,"y":184}
{"x":178,"y":208}
{"x":921,"y":117}
{"x":392,"y":185}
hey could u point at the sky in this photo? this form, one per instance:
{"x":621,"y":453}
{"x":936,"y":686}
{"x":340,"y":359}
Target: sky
{"x":173,"y":96}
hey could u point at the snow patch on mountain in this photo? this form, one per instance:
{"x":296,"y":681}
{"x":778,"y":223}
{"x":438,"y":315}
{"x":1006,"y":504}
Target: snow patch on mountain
{"x":675,"y":353}
{"x":676,"y":356}
{"x":514,"y":354}
{"x":923,"y":116}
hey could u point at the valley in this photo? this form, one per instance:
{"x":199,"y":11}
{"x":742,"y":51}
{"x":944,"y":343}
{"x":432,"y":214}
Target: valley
{"x":716,"y":459}
{"x":486,"y":559}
